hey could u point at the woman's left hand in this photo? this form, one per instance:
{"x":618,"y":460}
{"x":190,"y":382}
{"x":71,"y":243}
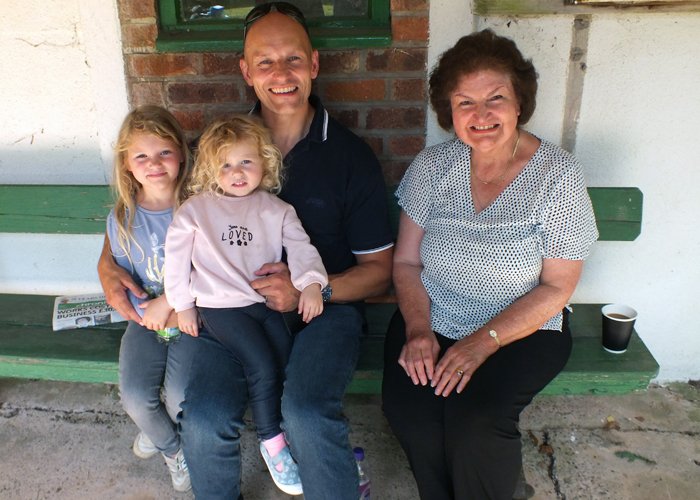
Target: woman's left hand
{"x":458,"y":364}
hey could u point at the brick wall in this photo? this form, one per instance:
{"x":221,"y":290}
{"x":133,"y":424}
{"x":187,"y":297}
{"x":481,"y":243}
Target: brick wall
{"x":378,"y":93}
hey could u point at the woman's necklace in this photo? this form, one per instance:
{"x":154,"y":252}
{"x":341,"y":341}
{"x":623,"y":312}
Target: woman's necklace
{"x":510,"y":162}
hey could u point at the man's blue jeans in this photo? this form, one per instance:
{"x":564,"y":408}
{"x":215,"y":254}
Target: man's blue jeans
{"x":320,"y":368}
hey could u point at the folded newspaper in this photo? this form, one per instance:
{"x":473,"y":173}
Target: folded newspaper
{"x":81,"y":311}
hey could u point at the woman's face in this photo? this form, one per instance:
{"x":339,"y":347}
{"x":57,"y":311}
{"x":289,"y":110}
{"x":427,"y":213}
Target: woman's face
{"x":485,"y":111}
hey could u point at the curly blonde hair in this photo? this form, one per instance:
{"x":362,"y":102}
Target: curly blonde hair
{"x":224,"y":134}
{"x":151,"y":120}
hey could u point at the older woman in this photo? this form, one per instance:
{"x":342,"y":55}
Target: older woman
{"x":493,"y":232}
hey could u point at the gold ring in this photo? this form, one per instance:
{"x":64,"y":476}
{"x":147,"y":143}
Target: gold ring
{"x":459,"y":372}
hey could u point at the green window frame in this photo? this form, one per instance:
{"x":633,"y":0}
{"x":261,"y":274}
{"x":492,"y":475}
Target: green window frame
{"x":177,"y":35}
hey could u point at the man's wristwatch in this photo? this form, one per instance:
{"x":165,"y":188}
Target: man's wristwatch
{"x":326,"y":293}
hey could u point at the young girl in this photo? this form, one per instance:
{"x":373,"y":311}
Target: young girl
{"x":217,"y":240}
{"x":150,"y":179}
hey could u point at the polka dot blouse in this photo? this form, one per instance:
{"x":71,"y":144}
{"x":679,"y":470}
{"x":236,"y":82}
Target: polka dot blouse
{"x":476,"y":265}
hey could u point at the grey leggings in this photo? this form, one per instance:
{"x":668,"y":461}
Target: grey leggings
{"x":146,"y":366}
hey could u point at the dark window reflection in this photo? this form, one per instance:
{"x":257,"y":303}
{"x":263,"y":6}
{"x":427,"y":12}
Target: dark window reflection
{"x":237,"y":9}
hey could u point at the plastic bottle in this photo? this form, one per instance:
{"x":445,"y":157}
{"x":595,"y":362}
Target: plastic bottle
{"x":365,"y":480}
{"x":168,"y":335}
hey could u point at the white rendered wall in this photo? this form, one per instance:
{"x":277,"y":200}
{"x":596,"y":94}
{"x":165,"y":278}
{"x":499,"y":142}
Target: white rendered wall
{"x":639,"y":126}
{"x":63,"y":99}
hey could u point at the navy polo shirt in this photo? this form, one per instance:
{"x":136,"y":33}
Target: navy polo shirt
{"x":335,"y":183}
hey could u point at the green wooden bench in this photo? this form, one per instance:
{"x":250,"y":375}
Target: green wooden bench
{"x":30,"y":349}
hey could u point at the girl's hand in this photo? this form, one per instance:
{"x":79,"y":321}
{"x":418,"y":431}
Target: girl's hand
{"x":419,"y":355}
{"x":464,"y":356}
{"x":188,"y":321}
{"x":157,"y":312}
{"x":311,"y":302}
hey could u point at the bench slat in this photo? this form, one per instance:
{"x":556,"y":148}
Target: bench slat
{"x":54,"y":209}
{"x":84,"y":210}
{"x":30,"y":349}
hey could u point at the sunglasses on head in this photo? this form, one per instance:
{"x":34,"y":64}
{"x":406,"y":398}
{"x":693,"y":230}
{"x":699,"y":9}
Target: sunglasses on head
{"x":282,"y":7}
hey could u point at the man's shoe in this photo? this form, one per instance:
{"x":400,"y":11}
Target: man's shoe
{"x":178,"y":471}
{"x":287,"y":480}
{"x":143,"y":447}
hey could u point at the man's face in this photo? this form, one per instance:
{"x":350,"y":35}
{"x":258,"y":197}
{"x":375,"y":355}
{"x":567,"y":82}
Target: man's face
{"x":279,"y":64}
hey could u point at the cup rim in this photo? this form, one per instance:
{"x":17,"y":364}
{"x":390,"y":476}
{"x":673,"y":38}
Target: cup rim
{"x":619,"y":309}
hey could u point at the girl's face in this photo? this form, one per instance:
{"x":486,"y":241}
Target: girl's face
{"x":241,"y":170}
{"x":154,"y":162}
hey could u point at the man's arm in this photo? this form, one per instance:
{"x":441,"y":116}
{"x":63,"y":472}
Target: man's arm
{"x":370,"y":277}
{"x":115,"y":281}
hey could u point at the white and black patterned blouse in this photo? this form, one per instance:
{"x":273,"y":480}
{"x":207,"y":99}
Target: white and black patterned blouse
{"x":476,"y":265}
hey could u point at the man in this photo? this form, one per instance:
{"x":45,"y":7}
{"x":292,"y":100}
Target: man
{"x":335,"y":184}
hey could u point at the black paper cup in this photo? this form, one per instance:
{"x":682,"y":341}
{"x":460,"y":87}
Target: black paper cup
{"x":618,"y":323}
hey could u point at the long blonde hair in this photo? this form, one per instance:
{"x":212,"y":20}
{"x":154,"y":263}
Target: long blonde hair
{"x":151,"y":120}
{"x":225,"y":134}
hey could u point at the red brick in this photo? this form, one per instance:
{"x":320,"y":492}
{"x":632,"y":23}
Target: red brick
{"x":147,"y":93}
{"x":161,"y":64}
{"x":349,"y":118}
{"x":395,"y":118}
{"x":397,"y":5}
{"x":376,"y":143}
{"x":339,"y":62}
{"x":203,"y":93}
{"x":135,"y":9}
{"x":397,"y":60}
{"x":139,"y":35}
{"x":394,"y":171}
{"x":368,"y":90}
{"x":250,"y":96}
{"x":221,"y":64}
{"x":407,"y":145}
{"x":409,"y":28}
{"x":190,"y":120}
{"x":409,"y":90}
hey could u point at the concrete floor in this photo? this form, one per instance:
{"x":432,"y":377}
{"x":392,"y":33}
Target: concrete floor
{"x":72,"y":441}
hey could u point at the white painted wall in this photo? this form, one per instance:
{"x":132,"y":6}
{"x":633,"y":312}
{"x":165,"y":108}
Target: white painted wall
{"x":63,"y":98}
{"x":639,"y":126}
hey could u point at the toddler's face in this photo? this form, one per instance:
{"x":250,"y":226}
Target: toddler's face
{"x":241,"y":170}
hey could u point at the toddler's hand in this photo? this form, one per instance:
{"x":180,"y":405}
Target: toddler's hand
{"x":157,"y":312}
{"x":311,"y":302}
{"x":188,"y":321}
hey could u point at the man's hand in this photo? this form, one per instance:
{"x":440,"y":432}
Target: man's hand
{"x":115,"y":281}
{"x":188,"y":321}
{"x":311,"y":302}
{"x":157,"y":313}
{"x":276,"y":286}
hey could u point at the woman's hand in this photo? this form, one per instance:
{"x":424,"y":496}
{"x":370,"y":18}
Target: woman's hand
{"x":459,"y":363}
{"x":419,"y":355}
{"x":157,"y":313}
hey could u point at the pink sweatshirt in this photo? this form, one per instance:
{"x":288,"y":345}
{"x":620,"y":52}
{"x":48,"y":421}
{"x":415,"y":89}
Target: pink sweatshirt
{"x":215,"y":244}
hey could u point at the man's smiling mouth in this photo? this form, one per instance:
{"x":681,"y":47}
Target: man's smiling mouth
{"x":283,"y":90}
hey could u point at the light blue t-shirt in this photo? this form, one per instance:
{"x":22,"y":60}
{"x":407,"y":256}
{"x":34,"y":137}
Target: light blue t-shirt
{"x":147,"y":251}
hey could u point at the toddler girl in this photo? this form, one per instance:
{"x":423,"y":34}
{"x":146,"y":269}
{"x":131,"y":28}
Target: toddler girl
{"x":150,"y":176}
{"x":217,"y":240}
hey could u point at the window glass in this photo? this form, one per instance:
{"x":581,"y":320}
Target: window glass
{"x":237,"y":9}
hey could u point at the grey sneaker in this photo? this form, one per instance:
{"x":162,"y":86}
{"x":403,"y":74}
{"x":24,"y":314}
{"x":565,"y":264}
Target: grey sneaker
{"x":143,"y":447}
{"x":178,"y":471}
